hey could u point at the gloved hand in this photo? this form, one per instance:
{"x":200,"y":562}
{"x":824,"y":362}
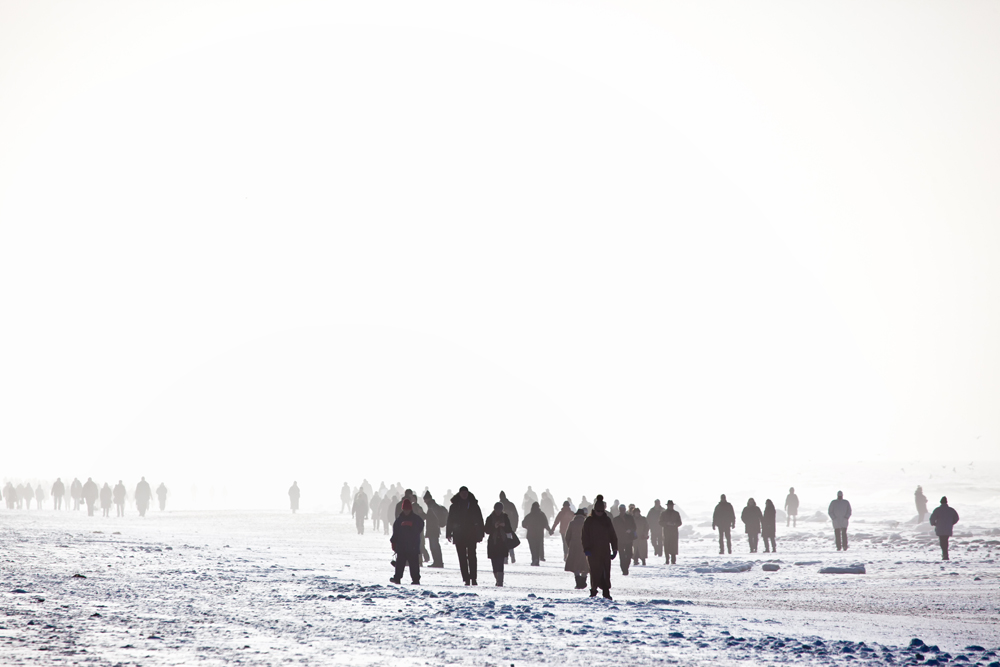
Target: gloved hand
{"x":586,"y":553}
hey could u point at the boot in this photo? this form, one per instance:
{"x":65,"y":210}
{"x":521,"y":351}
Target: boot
{"x":499,"y":578}
{"x":607,"y":594}
{"x":593,"y":592}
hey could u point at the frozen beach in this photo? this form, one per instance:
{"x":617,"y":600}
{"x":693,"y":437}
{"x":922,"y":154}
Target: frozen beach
{"x":255,"y":588}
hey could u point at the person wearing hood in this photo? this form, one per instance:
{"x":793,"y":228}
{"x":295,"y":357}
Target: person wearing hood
{"x":943,"y":518}
{"x":511,"y":511}
{"x":670,"y":523}
{"x":405,"y":541}
{"x":640,"y":548}
{"x":600,"y":545}
{"x":118,"y":495}
{"x":465,"y":529}
{"x":497,"y":527}
{"x":359,"y":510}
{"x":90,"y":494}
{"x":58,"y":491}
{"x":724,"y":518}
{"x":791,"y":507}
{"x":408,"y":494}
{"x":436,"y":517}
{"x":105,"y":500}
{"x":576,"y":560}
{"x":751,"y":517}
{"x":921,"y":502}
{"x":655,"y":534}
{"x":144,"y":494}
{"x":768,"y":527}
{"x":840,"y":513}
{"x":536,"y":523}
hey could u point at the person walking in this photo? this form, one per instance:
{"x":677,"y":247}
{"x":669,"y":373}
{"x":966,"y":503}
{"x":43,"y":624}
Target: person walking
{"x":511,"y":511}
{"x":576,"y":560}
{"x":118,"y":494}
{"x":724,"y":518}
{"x":640,"y":548}
{"x":943,"y":518}
{"x":920,"y":500}
{"x":600,"y":545}
{"x":670,"y":523}
{"x":625,"y":530}
{"x":144,"y":494}
{"x":767,"y":526}
{"x":345,"y":499}
{"x":436,"y":517}
{"x":359,"y":510}
{"x":105,"y":500}
{"x":293,"y":496}
{"x":497,"y":527}
{"x":535,"y":523}
{"x":161,"y":495}
{"x":58,"y":491}
{"x":840,"y":513}
{"x":562,"y":522}
{"x":655,"y":534}
{"x":90,"y":494}
{"x":76,"y":492}
{"x":405,"y":541}
{"x":751,"y":517}
{"x":791,"y":507}
{"x":465,"y":529}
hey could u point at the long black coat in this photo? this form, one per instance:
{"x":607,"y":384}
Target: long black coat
{"x":767,"y":524}
{"x":536,"y":523}
{"x":576,"y":561}
{"x":496,"y":527}
{"x":752,"y":517}
{"x":724,"y":515}
{"x":599,"y":534}
{"x":465,"y":521}
{"x":624,"y":525}
{"x":670,"y":522}
{"x":406,"y":531}
{"x":436,"y":516}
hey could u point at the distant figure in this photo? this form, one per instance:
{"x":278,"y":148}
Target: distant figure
{"x":613,"y":510}
{"x":437,"y":517}
{"x":767,"y":526}
{"x":751,"y":517}
{"x":118,"y":495}
{"x":724,"y":518}
{"x":600,"y":545}
{"x":10,"y":495}
{"x":359,"y":510}
{"x":655,"y":535}
{"x":640,"y":547}
{"x":562,"y":521}
{"x":530,"y":497}
{"x":293,"y":496}
{"x":39,"y":496}
{"x":585,"y":504}
{"x":497,"y":526}
{"x":548,"y":504}
{"x":943,"y":519}
{"x":345,"y":499}
{"x":465,"y":529}
{"x":58,"y":491}
{"x":76,"y":493}
{"x":536,"y":523}
{"x":373,"y":507}
{"x":624,"y":526}
{"x":90,"y":493}
{"x":143,"y":495}
{"x":921,"y":501}
{"x":576,"y":560}
{"x":105,"y":500}
{"x":405,"y":540}
{"x":26,"y":494}
{"x":161,"y":495}
{"x":419,"y":511}
{"x":840,"y":513}
{"x":791,"y":507}
{"x":511,"y":511}
{"x":389,"y":512}
{"x":670,"y":523}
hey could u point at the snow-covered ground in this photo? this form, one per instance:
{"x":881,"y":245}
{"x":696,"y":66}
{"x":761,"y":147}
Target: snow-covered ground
{"x":272,"y":587}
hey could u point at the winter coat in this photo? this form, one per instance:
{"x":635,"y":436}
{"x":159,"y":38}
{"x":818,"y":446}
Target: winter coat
{"x":90,"y":491}
{"x":509,"y":509}
{"x":563,"y":520}
{"x":724,"y":515}
{"x":768,"y":521}
{"x":406,"y":531}
{"x":641,"y":527}
{"x":943,"y":518}
{"x":119,"y":493}
{"x":653,"y":515}
{"x":921,"y":502}
{"x":536,"y":523}
{"x":599,"y":535}
{"x":840,"y":512}
{"x":76,"y":489}
{"x":465,"y":520}
{"x":143,"y":493}
{"x":751,"y":517}
{"x":576,"y":560}
{"x":105,"y":496}
{"x":435,"y":517}
{"x":360,"y":508}
{"x":496,"y":527}
{"x":624,"y":525}
{"x":670,"y":522}
{"x":792,"y":503}
{"x":58,"y":489}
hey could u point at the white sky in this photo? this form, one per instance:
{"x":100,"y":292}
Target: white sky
{"x":456,"y":241}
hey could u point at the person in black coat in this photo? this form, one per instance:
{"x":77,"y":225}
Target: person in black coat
{"x":293,"y":496}
{"x":436,"y":516}
{"x":497,"y":527}
{"x":576,"y":560}
{"x":465,"y":529}
{"x":751,"y":518}
{"x":405,"y":542}
{"x":767,"y":526}
{"x":90,"y":493}
{"x":106,"y":500}
{"x":640,"y":548}
{"x":536,"y":523}
{"x":600,"y":545}
{"x":624,"y":526}
{"x":670,"y":522}
{"x":655,"y":535}
{"x":359,"y":510}
{"x":943,"y":518}
{"x":921,"y":501}
{"x":510,"y":509}
{"x":724,"y":518}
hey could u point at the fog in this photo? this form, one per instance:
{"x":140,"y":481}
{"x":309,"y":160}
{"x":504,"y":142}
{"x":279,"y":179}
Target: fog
{"x":582,"y":246}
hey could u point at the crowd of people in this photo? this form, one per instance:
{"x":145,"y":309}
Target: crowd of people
{"x":592,"y":534}
{"x":87,"y":494}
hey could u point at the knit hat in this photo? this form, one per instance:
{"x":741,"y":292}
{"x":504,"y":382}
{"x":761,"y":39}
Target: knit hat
{"x":498,"y":506}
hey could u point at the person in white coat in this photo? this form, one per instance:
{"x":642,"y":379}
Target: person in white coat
{"x":840,"y":513}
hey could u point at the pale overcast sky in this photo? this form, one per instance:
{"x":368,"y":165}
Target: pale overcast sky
{"x":419,"y":236}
